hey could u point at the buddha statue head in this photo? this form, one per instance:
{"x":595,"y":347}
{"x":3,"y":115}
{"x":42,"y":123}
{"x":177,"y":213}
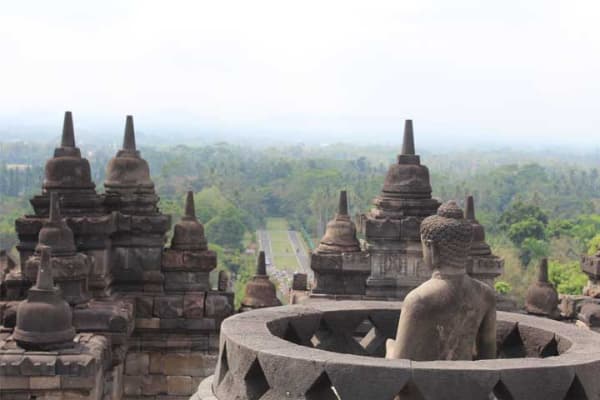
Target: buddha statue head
{"x":446,"y":238}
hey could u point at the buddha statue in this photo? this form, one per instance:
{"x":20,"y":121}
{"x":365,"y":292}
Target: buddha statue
{"x":451,"y":316}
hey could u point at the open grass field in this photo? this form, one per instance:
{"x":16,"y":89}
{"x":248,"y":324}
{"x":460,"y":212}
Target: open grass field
{"x":277,"y":224}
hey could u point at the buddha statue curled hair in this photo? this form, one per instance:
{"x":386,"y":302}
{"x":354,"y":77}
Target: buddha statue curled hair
{"x":450,"y":232}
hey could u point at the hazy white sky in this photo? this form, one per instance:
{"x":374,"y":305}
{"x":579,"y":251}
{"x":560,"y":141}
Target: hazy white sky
{"x":475,"y":67}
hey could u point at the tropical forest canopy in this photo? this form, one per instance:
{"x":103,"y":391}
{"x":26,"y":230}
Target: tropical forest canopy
{"x":533,"y":204}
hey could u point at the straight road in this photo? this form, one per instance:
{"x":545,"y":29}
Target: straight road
{"x":301,"y":255}
{"x":265,"y":245}
{"x":282,"y":279}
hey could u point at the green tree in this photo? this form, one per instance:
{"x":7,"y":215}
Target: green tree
{"x":567,"y":277}
{"x":528,"y":228}
{"x":226,"y":229}
{"x":518,"y":212}
{"x":503,"y":287}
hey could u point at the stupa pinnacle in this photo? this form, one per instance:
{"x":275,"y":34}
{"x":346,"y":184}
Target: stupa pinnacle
{"x":408,"y":144}
{"x":68,"y":133}
{"x":129,"y":137}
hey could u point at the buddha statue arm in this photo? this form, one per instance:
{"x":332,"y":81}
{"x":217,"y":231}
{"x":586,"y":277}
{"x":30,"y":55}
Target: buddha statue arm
{"x":486,"y":338}
{"x":404,"y":345}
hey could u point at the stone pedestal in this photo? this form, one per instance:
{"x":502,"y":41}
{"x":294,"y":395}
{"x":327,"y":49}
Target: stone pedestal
{"x":396,"y":256}
{"x":78,"y":373}
{"x":343,"y":273}
{"x":590,"y":265}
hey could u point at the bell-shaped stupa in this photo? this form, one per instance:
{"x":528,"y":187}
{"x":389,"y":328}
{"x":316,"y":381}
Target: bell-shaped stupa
{"x":44,"y":319}
{"x":260,"y":291}
{"x":67,"y":170}
{"x":188,"y":233}
{"x":71,"y":269}
{"x":128,"y":171}
{"x":542,"y":297}
{"x":482,"y":264}
{"x":340,"y":235}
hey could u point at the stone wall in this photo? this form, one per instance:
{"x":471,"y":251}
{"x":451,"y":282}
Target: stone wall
{"x":77,"y":373}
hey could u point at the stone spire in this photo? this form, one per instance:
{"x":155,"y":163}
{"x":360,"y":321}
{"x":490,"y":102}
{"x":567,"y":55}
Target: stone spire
{"x":44,"y":278}
{"x":223,"y":281}
{"x":543,"y":271}
{"x":482,"y":264}
{"x":343,"y":203}
{"x":68,"y":133}
{"x":188,"y":233}
{"x":190,"y":208}
{"x":261,"y":264}
{"x":542,"y":297}
{"x":408,"y":144}
{"x":127,"y":171}
{"x":129,"y":137}
{"x":55,"y":233}
{"x":260,"y":291}
{"x":67,"y":170}
{"x":44,"y":320}
{"x":479,"y":247}
{"x":340,"y":235}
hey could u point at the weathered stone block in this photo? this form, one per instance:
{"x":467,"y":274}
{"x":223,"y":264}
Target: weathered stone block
{"x":14,"y":382}
{"x":179,"y":385}
{"x":137,"y":364}
{"x":179,"y":342}
{"x":38,"y":365}
{"x":189,"y":364}
{"x":193,"y":305}
{"x":44,"y":382}
{"x":154,"y":384}
{"x":382,"y":229}
{"x":168,"y":306}
{"x":218,"y":305}
{"x":132,"y":385}
{"x":201,"y":324}
{"x":147,"y":323}
{"x":156,"y":362}
{"x":77,"y":382}
{"x":144,"y":305}
{"x":590,"y":265}
{"x":186,"y":281}
{"x":172,"y":323}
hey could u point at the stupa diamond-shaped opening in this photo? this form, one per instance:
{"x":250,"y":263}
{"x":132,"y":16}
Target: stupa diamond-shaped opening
{"x":340,"y":367}
{"x":256,"y":381}
{"x":367,"y":340}
{"x":322,"y":389}
{"x":576,"y":391}
{"x":500,"y":392}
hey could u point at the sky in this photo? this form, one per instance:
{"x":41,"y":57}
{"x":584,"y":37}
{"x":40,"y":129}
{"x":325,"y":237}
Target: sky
{"x":461,"y":69}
